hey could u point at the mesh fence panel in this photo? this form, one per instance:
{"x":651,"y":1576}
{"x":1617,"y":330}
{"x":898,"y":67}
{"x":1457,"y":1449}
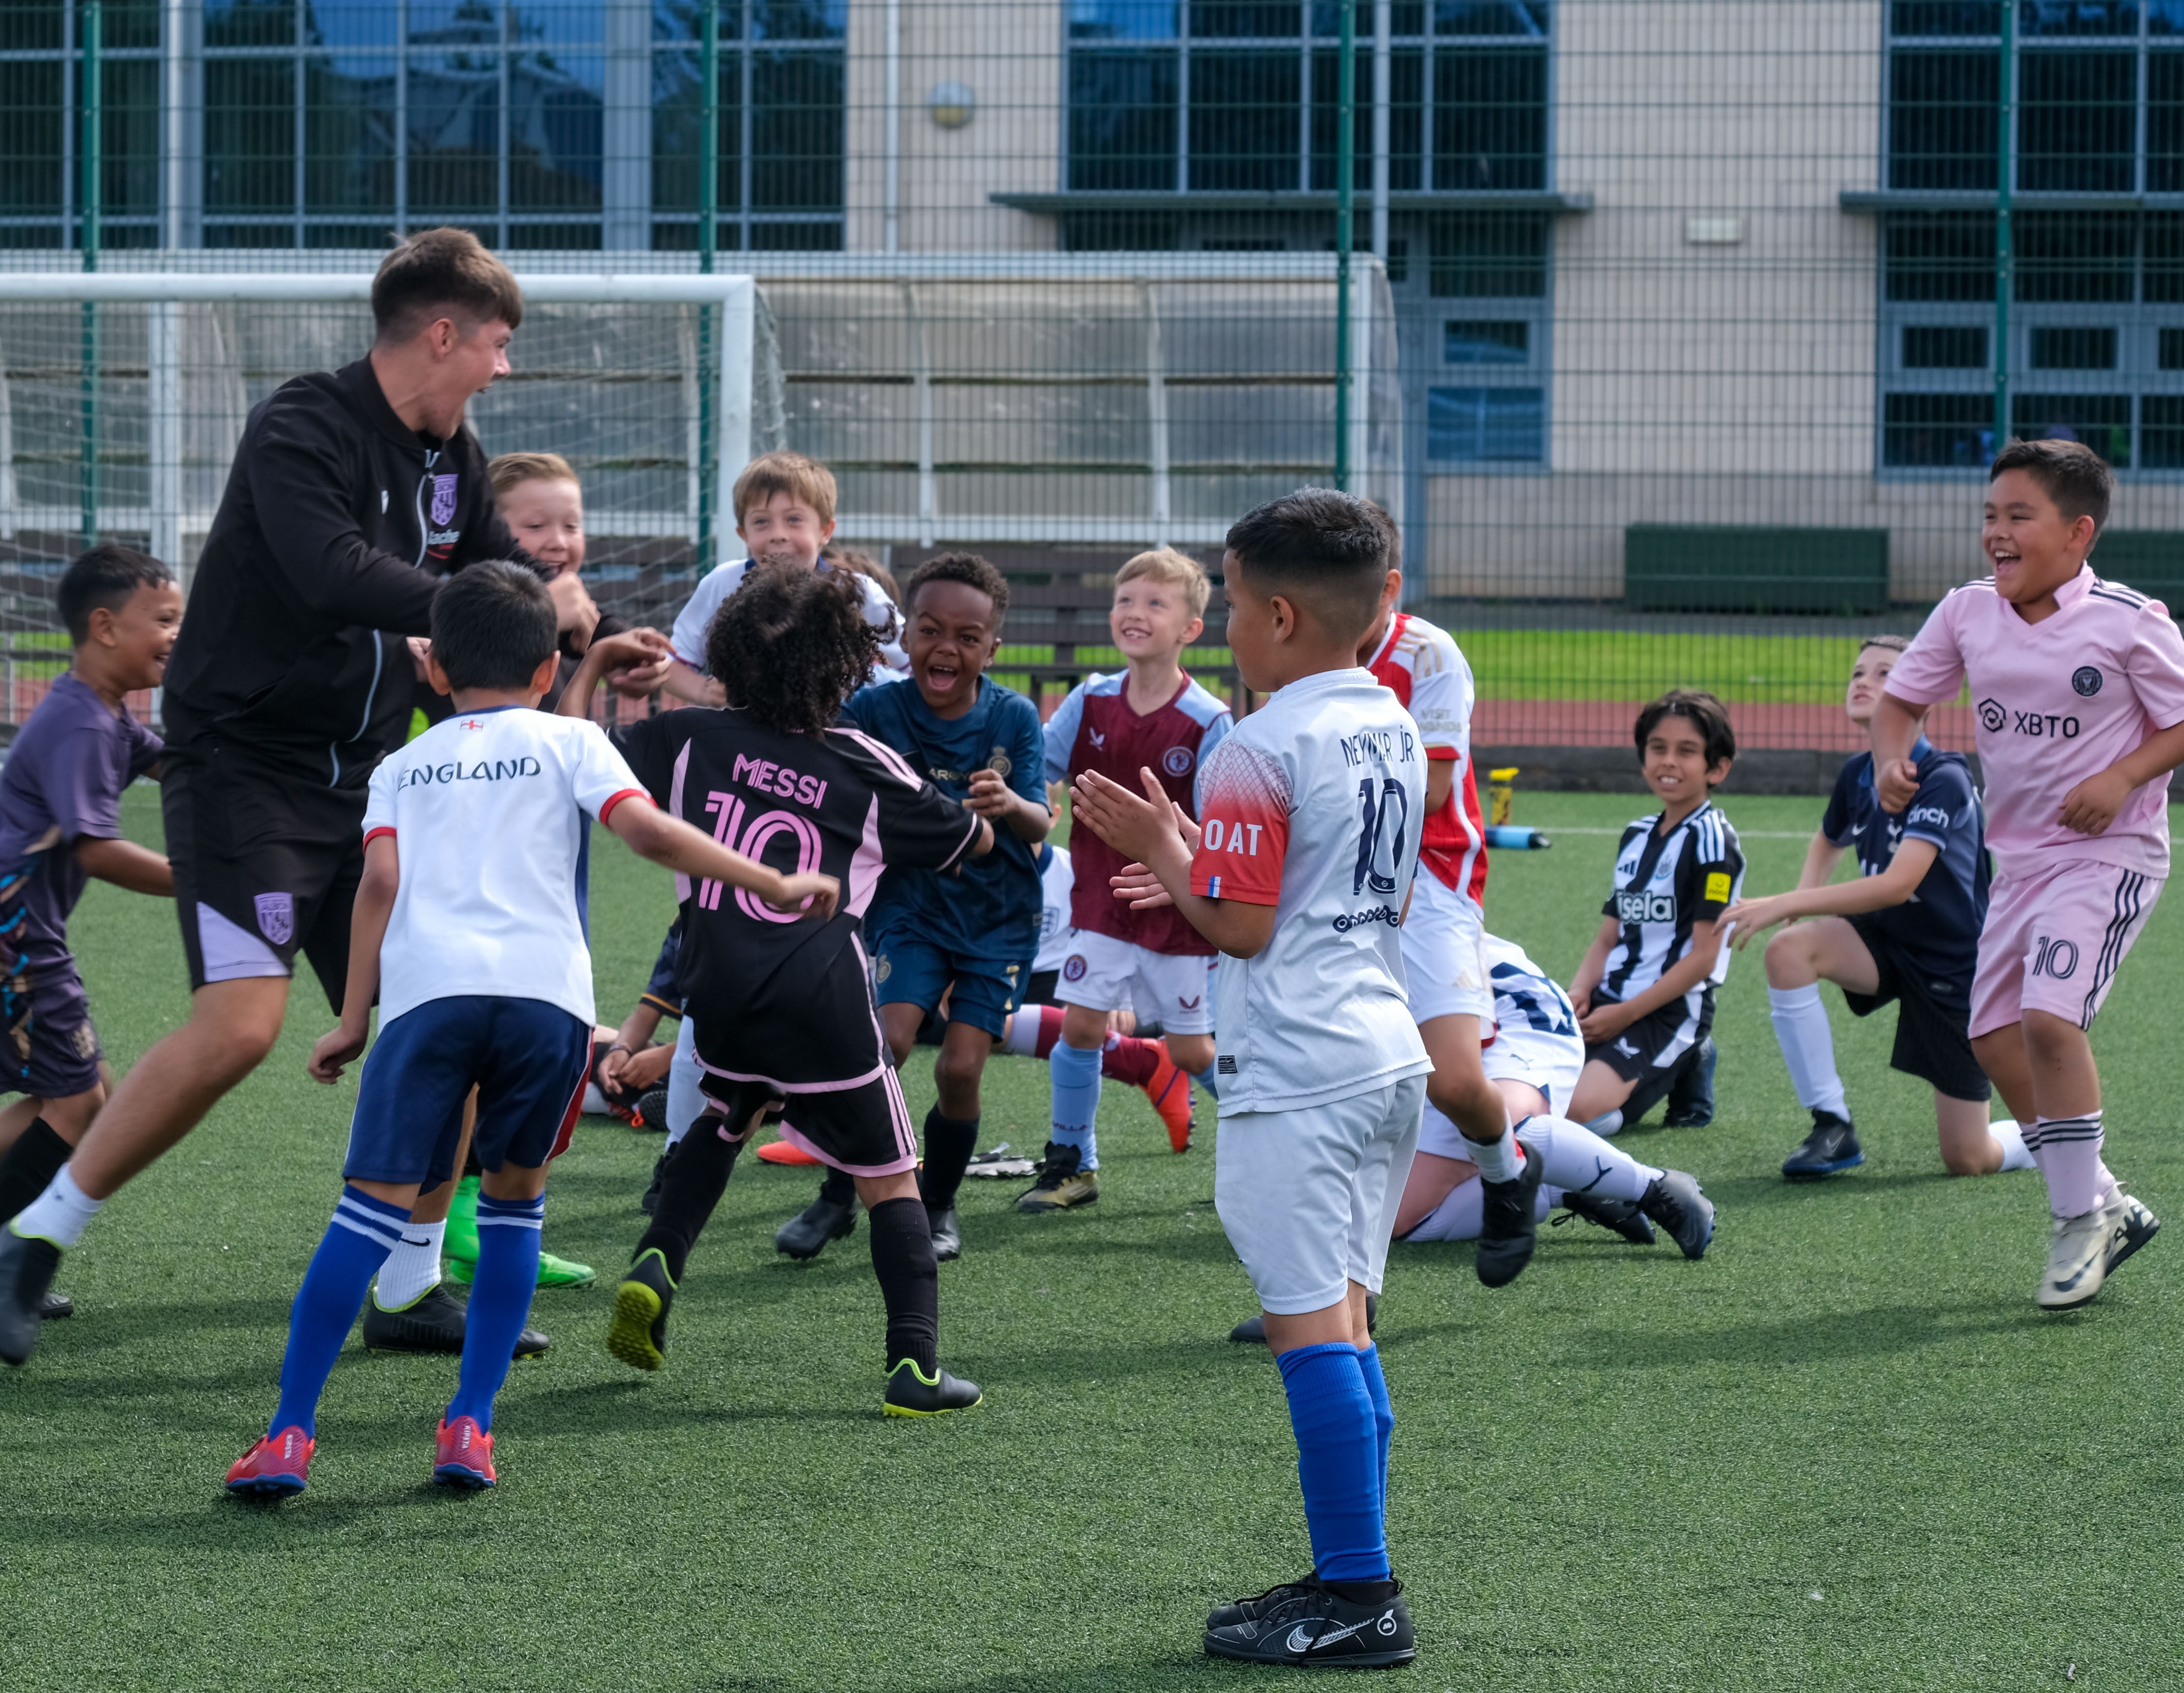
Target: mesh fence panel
{"x":1675,"y":340}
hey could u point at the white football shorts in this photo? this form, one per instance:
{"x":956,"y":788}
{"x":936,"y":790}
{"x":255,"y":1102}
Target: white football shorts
{"x":1104,"y":974}
{"x":1444,"y":957}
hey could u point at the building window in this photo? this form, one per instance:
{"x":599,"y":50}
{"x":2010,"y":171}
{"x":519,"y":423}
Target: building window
{"x":1193,"y":96}
{"x":2096,"y":349}
{"x":41,"y":94}
{"x":1483,"y":425}
{"x":339,"y":128}
{"x":782,"y":139}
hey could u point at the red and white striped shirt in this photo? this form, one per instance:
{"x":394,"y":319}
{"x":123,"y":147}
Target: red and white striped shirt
{"x":1420,"y":664}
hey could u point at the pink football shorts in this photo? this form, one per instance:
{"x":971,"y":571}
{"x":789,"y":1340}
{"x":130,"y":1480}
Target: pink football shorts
{"x":2054,"y":940}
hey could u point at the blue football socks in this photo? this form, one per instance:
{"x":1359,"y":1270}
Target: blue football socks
{"x":1204,"y":1078}
{"x":500,"y":1299}
{"x":1338,"y":1460}
{"x":1384,"y":1420}
{"x":363,"y":1232}
{"x":1075,"y":1073}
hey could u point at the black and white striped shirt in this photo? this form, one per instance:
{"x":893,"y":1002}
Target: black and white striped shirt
{"x":1665,"y":884}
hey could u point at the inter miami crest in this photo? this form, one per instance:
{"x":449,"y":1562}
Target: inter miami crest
{"x":2086,"y":680}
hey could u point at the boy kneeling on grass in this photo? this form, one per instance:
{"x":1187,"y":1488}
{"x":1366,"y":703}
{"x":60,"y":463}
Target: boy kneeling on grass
{"x":466,"y":930}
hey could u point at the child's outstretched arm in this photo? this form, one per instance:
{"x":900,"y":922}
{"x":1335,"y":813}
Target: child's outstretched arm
{"x":634,"y":651}
{"x":1892,"y":886}
{"x":126,"y":864}
{"x":668,"y":841}
{"x":367,"y":929}
{"x":1147,"y":831}
{"x":1896,"y":726}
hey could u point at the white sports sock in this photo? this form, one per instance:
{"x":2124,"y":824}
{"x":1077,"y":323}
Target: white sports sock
{"x":61,"y":1214}
{"x":2068,"y":1150}
{"x":1498,"y":1159}
{"x":412,"y":1270}
{"x":1458,"y":1216}
{"x":1574,"y":1157}
{"x":2011,"y":1139}
{"x":1808,"y":1048}
{"x":1022,"y":1038}
{"x":1607,"y":1123}
{"x":685,"y":1105}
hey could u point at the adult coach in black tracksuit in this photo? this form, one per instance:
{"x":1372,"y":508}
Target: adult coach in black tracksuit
{"x":351,"y":495}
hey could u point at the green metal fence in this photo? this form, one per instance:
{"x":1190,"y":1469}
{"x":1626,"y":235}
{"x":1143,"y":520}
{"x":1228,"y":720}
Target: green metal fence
{"x":1676,"y":336}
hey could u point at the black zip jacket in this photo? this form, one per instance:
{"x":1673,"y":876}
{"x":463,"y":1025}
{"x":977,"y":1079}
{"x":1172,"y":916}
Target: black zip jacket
{"x":337,"y":523}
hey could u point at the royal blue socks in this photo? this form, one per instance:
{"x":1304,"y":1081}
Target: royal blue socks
{"x":1339,"y":1457}
{"x":364,"y":1231}
{"x":500,"y":1299}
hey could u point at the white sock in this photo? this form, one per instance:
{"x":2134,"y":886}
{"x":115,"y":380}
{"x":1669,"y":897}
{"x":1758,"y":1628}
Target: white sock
{"x":412,"y":1270}
{"x":1808,"y":1048}
{"x":1022,"y":1038}
{"x":685,"y":1103}
{"x":2068,"y":1150}
{"x":1607,"y":1123}
{"x":61,"y":1214}
{"x":1573,"y":1157}
{"x":1498,"y":1159}
{"x":2011,"y":1139}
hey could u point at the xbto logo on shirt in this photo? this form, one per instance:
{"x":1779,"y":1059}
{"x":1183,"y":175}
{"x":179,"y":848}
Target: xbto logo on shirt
{"x":1994,"y":717}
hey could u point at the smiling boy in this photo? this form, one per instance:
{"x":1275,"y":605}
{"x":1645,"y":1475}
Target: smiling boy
{"x":1151,"y":715}
{"x":968,"y":936}
{"x":1644,"y":995}
{"x":2078,"y":688}
{"x":60,"y":825}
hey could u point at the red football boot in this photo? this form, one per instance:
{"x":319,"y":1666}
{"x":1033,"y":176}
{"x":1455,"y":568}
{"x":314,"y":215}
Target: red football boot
{"x":1169,"y":1089}
{"x":465,"y":1455}
{"x":277,"y":1466}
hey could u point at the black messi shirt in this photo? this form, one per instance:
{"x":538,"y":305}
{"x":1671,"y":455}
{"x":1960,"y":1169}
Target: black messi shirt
{"x":775,"y":997}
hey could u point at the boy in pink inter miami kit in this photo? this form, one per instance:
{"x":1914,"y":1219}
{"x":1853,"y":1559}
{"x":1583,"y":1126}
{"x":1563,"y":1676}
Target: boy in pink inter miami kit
{"x":2078,"y":688}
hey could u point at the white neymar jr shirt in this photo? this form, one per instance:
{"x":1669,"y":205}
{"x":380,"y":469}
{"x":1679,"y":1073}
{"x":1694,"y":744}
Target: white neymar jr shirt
{"x":1313,"y":805}
{"x":489,"y":814}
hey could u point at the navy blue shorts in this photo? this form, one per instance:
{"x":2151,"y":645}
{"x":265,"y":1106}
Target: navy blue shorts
{"x":914,"y":973}
{"x":528,"y":1060}
{"x":51,"y":1050}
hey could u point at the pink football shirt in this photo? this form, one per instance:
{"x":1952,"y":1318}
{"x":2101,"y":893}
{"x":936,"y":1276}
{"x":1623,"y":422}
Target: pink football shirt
{"x":2057,"y":702}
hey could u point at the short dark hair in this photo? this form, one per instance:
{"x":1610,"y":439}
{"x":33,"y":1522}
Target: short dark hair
{"x":493,"y":625}
{"x":436,"y":271}
{"x":966,"y":567}
{"x":1705,"y":713}
{"x":1330,"y":549}
{"x":2071,"y":473}
{"x":789,"y":646}
{"x":107,"y":575}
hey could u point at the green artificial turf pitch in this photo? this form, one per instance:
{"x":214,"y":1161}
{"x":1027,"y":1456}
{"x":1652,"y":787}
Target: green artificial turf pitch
{"x":1845,"y":1451}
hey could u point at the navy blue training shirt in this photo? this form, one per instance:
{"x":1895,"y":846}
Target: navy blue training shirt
{"x":1936,"y":930}
{"x":991,"y":909}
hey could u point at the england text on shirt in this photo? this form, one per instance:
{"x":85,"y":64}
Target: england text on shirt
{"x":1937,"y":929}
{"x":2057,"y":702}
{"x":1314,"y":805}
{"x":489,"y":812}
{"x":1666,"y":884}
{"x":784,"y":997}
{"x":1094,"y":729}
{"x":1422,"y":666}
{"x":989,"y":908}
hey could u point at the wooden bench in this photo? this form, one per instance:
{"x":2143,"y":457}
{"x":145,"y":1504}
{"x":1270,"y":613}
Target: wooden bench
{"x":1073,"y":602}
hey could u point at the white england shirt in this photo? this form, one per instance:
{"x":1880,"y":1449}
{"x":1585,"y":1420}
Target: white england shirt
{"x":689,"y":636}
{"x":1314,"y":804}
{"x":1055,"y":883}
{"x":488,"y":812}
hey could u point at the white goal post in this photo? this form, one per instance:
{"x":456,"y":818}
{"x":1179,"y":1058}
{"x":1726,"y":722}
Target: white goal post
{"x":169,"y":431}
